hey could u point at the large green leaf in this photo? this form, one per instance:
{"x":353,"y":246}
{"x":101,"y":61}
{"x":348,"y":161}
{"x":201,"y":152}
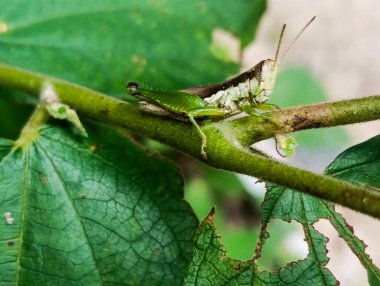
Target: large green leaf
{"x":238,"y":215}
{"x":288,"y":205}
{"x":211,"y":266}
{"x":102,"y":44}
{"x":91,"y":212}
{"x":360,"y":165}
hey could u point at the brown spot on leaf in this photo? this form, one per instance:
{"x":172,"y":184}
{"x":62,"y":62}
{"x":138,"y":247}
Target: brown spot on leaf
{"x":158,"y":253}
{"x":10,"y":243}
{"x":44,"y":180}
{"x":210,"y":216}
{"x":83,"y":197}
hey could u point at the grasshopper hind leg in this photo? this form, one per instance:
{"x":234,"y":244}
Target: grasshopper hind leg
{"x":203,"y":136}
{"x":204,"y":112}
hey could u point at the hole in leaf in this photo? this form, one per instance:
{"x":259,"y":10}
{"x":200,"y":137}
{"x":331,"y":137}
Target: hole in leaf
{"x":285,"y":244}
{"x":342,"y":259}
{"x":237,"y":217}
{"x":240,"y":242}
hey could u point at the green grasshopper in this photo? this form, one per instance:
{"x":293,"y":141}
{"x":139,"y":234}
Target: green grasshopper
{"x":245,"y":92}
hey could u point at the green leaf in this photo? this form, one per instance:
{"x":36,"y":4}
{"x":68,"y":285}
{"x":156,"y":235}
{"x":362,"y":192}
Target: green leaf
{"x":211,"y":266}
{"x":95,"y":211}
{"x":288,"y":205}
{"x":102,"y":44}
{"x":360,"y":165}
{"x":238,"y":215}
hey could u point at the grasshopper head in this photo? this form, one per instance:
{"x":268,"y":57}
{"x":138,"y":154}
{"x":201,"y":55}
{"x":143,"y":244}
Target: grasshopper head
{"x":132,"y":88}
{"x":266,"y":70}
{"x":266,"y":74}
{"x":261,"y":86}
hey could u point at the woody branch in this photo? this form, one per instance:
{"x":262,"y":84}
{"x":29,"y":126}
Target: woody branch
{"x":225,"y":150}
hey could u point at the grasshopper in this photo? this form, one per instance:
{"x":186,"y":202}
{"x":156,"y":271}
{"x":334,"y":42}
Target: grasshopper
{"x":246,"y":92}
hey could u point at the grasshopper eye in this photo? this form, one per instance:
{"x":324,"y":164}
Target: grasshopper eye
{"x":132,"y":87}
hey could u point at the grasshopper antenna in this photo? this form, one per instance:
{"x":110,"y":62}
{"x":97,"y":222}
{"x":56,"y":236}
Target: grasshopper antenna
{"x":296,"y":38}
{"x":279,"y":44}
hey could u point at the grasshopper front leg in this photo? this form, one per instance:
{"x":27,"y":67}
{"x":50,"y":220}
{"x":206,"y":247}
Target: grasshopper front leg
{"x":260,"y":111}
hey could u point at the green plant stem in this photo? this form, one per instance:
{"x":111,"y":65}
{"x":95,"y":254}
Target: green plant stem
{"x":248,"y":131}
{"x":224,"y":146}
